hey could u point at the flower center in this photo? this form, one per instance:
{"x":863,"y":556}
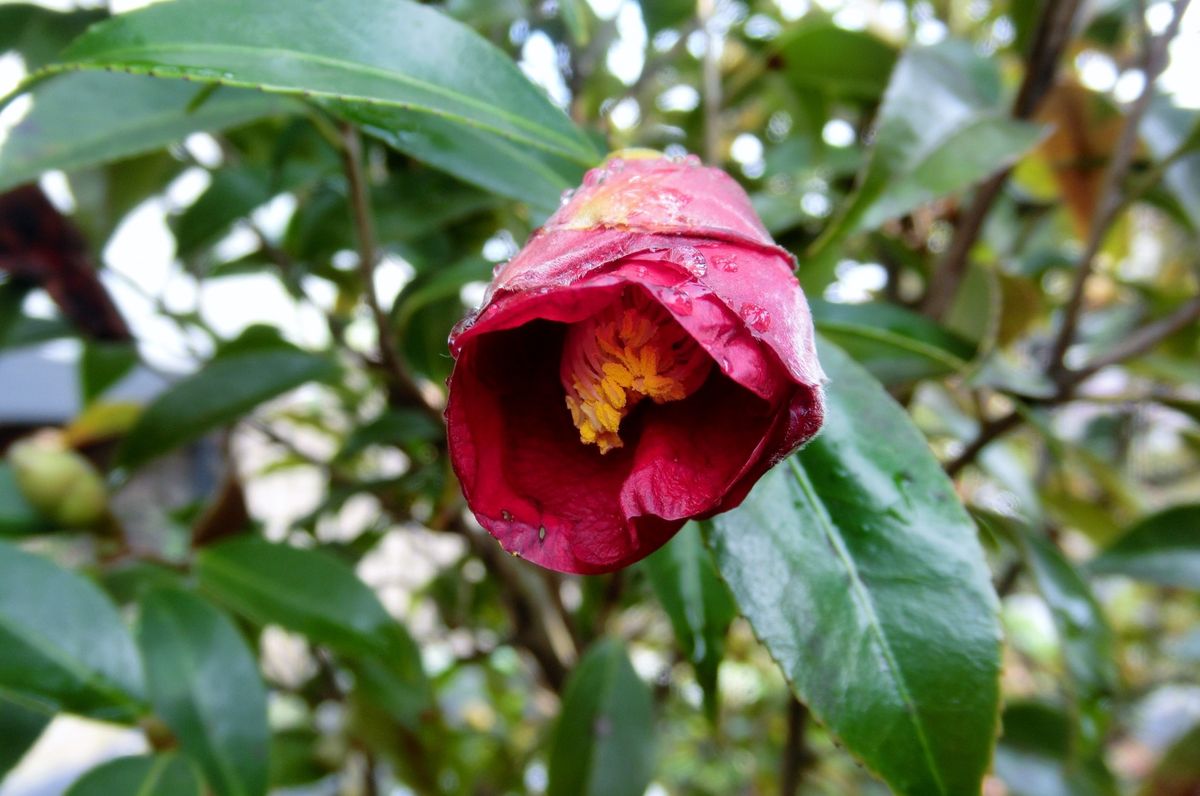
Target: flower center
{"x":630,"y":350}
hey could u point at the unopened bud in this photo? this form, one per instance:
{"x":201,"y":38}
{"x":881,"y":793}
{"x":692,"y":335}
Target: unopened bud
{"x":58,"y":482}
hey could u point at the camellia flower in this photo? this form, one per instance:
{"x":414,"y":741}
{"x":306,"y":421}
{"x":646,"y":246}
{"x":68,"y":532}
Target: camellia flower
{"x":641,"y":362}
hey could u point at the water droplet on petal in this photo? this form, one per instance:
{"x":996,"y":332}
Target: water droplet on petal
{"x":565,"y":196}
{"x":726,"y":263}
{"x":678,"y":302}
{"x":756,"y":317}
{"x":690,"y":258}
{"x":615,"y":164}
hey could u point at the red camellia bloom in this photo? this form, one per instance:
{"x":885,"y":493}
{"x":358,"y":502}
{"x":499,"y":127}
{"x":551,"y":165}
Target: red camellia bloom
{"x":641,"y":362}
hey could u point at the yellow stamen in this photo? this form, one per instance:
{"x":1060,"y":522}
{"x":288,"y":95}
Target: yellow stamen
{"x":630,"y":350}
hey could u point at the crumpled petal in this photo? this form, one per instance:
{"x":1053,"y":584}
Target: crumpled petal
{"x":688,"y":237}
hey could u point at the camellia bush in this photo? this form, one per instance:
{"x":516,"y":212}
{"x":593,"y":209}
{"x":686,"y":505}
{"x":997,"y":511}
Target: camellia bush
{"x":718,"y":397}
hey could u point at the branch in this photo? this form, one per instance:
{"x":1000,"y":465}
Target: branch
{"x":711,"y":85}
{"x":1053,"y":31}
{"x":990,"y":431}
{"x":1139,"y":342}
{"x":797,"y":756}
{"x":1136,"y":344}
{"x":1111,"y":203}
{"x":403,"y":386}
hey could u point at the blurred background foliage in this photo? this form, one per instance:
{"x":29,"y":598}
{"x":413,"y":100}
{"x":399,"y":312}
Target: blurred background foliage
{"x":233,"y":548}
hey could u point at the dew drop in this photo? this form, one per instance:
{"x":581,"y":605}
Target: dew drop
{"x":726,"y":263}
{"x":594,"y":177}
{"x":565,"y":196}
{"x":679,"y":302}
{"x":615,"y":164}
{"x":690,"y":258}
{"x":758,"y":319}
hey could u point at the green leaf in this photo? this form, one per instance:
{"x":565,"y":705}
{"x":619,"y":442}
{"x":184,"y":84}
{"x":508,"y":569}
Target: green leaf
{"x":1033,"y":757}
{"x":604,"y":740}
{"x":21,"y":724}
{"x":204,"y":684}
{"x":38,"y":34}
{"x":475,"y":156}
{"x":1163,"y":548}
{"x":234,"y":192}
{"x":17,"y":517}
{"x":102,"y":365}
{"x":836,"y":61}
{"x":142,"y":775}
{"x":943,"y":126}
{"x":388,"y":54}
{"x":219,"y":393}
{"x":861,"y":573}
{"x":90,"y":118}
{"x":63,"y":640}
{"x":1172,"y":131}
{"x":307,"y":591}
{"x":697,"y":603}
{"x":896,"y":345}
{"x":660,"y":14}
{"x":318,"y":596}
{"x":1088,"y":646}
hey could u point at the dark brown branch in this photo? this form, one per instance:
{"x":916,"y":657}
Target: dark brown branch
{"x":797,"y":756}
{"x":1053,"y":32}
{"x":404,"y":388}
{"x":991,"y":430}
{"x":1112,"y":201}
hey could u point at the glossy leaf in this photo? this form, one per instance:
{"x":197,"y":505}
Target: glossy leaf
{"x":1163,"y":548}
{"x":63,"y":639}
{"x":38,"y":34}
{"x":1168,"y":130}
{"x":1088,"y":646}
{"x":21,"y":724}
{"x":219,"y":393}
{"x":89,"y":118}
{"x":143,"y":775}
{"x":102,"y":365}
{"x":1034,"y":758}
{"x":388,"y":53}
{"x":698,"y":604}
{"x":837,"y":61}
{"x":604,"y":740}
{"x":480,"y":158}
{"x":233,"y":193}
{"x":896,"y":345}
{"x":204,"y":684}
{"x":860,"y":571}
{"x":943,"y":125}
{"x":273,"y":584}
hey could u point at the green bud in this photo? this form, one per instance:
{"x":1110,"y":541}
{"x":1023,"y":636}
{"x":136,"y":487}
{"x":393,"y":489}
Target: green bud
{"x":58,"y":482}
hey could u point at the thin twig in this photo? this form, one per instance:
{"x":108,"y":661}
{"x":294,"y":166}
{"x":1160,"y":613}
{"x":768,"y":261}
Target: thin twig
{"x":1140,"y":341}
{"x":711,"y":84}
{"x":1053,"y":32}
{"x":404,"y":387}
{"x":990,"y":431}
{"x":1112,"y":201}
{"x":797,"y":756}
